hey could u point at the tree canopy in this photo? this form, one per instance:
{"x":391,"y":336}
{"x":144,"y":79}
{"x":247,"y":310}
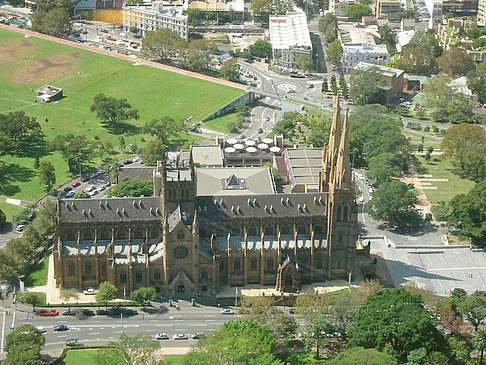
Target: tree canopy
{"x":476,"y":81}
{"x":305,"y":63}
{"x":153,"y":152}
{"x":113,"y":110}
{"x":455,"y":62}
{"x":229,"y":70}
{"x":136,"y":350}
{"x":106,"y":292}
{"x":334,"y":53}
{"x":55,"y":22}
{"x":356,"y":11}
{"x":397,"y":320}
{"x":144,"y":295}
{"x":361,"y":356}
{"x":418,"y":60}
{"x":76,"y":150}
{"x":261,"y":48}
{"x":327,"y":26}
{"x":165,"y":129}
{"x":394,"y":202}
{"x":132,"y":188}
{"x":18,"y":132}
{"x":47,"y":174}
{"x":262,"y":9}
{"x":367,"y":86}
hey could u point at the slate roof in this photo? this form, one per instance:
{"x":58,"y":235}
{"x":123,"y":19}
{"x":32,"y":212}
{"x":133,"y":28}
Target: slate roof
{"x":136,"y":173}
{"x":262,"y":206}
{"x":110,"y":210}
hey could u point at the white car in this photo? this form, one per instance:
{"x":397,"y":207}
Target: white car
{"x":227,"y":311}
{"x":94,"y":192}
{"x":89,"y":291}
{"x":180,"y":336}
{"x":70,"y":194}
{"x":90,"y":188}
{"x":161,"y":336}
{"x":41,"y":329}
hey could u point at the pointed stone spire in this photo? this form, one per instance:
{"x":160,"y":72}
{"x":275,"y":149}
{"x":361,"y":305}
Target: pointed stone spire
{"x":343,"y":168}
{"x":330,"y":153}
{"x":195,"y":227}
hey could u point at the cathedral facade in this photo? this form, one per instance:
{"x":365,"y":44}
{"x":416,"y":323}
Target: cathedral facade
{"x":206,"y":228}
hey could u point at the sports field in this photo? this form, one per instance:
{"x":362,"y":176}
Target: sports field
{"x":27,"y":62}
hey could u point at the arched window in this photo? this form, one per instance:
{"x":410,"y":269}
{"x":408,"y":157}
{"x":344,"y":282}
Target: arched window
{"x":236,"y":231}
{"x":88,"y":268}
{"x":180,"y":235}
{"x":339,"y":212}
{"x":187,"y":193}
{"x":156,"y":275}
{"x":253,"y":264}
{"x":88,"y":234}
{"x":305,"y":258}
{"x":204,"y":274}
{"x":340,"y":237}
{"x":123,"y":277}
{"x":236,"y":265}
{"x":318,"y":228}
{"x":221,"y":266}
{"x":70,"y":235}
{"x":269,"y":264}
{"x":71,"y":269}
{"x":138,"y":233}
{"x":285,"y":229}
{"x":138,"y":277}
{"x":302,"y":228}
{"x":154,"y":233}
{"x":252,"y":230}
{"x":103,"y":269}
{"x":319,"y":262}
{"x":121,"y":234}
{"x":345,"y":213}
{"x":104,"y":234}
{"x":269,"y":229}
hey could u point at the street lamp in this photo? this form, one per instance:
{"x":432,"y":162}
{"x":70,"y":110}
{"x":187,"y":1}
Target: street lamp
{"x":121,"y":316}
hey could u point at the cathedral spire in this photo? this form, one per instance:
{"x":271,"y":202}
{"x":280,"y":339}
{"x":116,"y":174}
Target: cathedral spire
{"x":343,"y":167}
{"x":329,"y":154}
{"x":195,"y":227}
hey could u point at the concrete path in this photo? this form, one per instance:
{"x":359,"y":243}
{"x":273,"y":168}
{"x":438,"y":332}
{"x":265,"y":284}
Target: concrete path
{"x":18,"y":108}
{"x":18,"y":202}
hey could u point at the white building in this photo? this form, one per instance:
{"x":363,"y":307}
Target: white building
{"x":482,"y":12}
{"x":353,"y":54}
{"x":340,"y":7}
{"x":146,"y":18}
{"x":404,"y":38}
{"x":290,"y":38}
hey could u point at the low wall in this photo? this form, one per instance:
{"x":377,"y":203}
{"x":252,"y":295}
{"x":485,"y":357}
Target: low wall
{"x":247,"y":98}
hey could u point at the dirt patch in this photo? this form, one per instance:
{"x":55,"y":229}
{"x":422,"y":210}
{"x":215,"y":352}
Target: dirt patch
{"x":13,"y":49}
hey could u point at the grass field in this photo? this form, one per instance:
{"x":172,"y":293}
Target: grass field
{"x":27,"y":63}
{"x":220,"y":124}
{"x":441,"y":168}
{"x":39,"y":275}
{"x":10,"y":210}
{"x":88,"y":357}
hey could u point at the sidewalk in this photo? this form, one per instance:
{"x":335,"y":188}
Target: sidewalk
{"x":20,"y":203}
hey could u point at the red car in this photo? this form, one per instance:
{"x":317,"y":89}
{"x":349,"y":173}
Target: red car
{"x":77,"y":183}
{"x":48,"y":313}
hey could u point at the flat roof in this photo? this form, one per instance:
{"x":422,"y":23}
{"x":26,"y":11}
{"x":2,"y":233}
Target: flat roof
{"x":207,"y":155}
{"x":384,"y":70}
{"x":354,"y":33}
{"x":289,"y":31}
{"x":234,"y":181}
{"x":304,"y":165}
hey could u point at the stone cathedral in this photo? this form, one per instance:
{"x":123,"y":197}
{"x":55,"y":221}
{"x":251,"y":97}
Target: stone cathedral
{"x":209,"y":227}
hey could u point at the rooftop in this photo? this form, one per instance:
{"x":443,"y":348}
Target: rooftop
{"x":303,"y":165}
{"x":384,"y":70}
{"x":207,"y":155}
{"x":365,"y":48}
{"x":355,"y":33}
{"x":289,"y":31}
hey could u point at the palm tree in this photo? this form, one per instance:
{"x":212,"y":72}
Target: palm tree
{"x":479,"y":343}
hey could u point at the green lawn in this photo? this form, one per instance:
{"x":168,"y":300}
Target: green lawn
{"x":39,"y":275}
{"x":220,"y":124}
{"x":441,"y":168}
{"x":10,"y":210}
{"x":26,"y":63}
{"x":88,"y":357}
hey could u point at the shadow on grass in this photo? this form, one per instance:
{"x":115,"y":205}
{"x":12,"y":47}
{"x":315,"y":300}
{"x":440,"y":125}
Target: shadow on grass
{"x":421,"y":169}
{"x":121,"y":128}
{"x":11,"y":173}
{"x":32,"y":150}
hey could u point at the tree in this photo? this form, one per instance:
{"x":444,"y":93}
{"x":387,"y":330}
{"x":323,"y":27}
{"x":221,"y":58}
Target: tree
{"x":106,"y":292}
{"x":229,"y":70}
{"x":479,"y":343}
{"x":468,"y":213}
{"x":152,"y":152}
{"x":394,"y":202}
{"x":476,"y":81}
{"x":310,"y":306}
{"x":473,"y":307}
{"x":384,"y":166}
{"x":133,"y":188}
{"x":55,"y":22}
{"x":47,"y":174}
{"x":199,"y":54}
{"x":388,"y":37}
{"x":32,"y":298}
{"x":24,"y":354}
{"x":25,"y":334}
{"x":165,"y":129}
{"x":262,"y":9}
{"x":144,"y":295}
{"x":344,"y":87}
{"x":305,"y":63}
{"x":76,"y":150}
{"x":195,"y":16}
{"x":257,"y":308}
{"x":318,"y":333}
{"x":334,"y":53}
{"x":112,"y":110}
{"x":136,"y":350}
{"x":428,"y":40}
{"x":324,"y":87}
{"x":19,"y":132}
{"x":417,"y":60}
{"x":367,"y":86}
{"x":237,"y":342}
{"x":466,"y":145}
{"x":455,"y":62}
{"x":397,"y":320}
{"x":81,"y":195}
{"x":327,"y":27}
{"x":356,"y":11}
{"x":366,"y":289}
{"x":448,"y":103}
{"x":160,"y":45}
{"x":67,"y":295}
{"x":342,"y":311}
{"x":361,"y":356}
{"x":3,"y":218}
{"x":47,"y":5}
{"x":261,"y":48}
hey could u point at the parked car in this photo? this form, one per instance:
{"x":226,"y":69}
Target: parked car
{"x":102,"y":312}
{"x":67,"y":189}
{"x":88,"y":312}
{"x":60,"y":327}
{"x":20,"y":227}
{"x":94,"y":192}
{"x":93,"y":175}
{"x":180,"y":336}
{"x":68,"y":313}
{"x":241,"y":136}
{"x":161,"y":336}
{"x":70,"y":194}
{"x":101,"y":172}
{"x":89,"y":291}
{"x":198,"y":335}
{"x":260,"y":130}
{"x":90,"y":188}
{"x":76,"y":184}
{"x":127,"y":162}
{"x":48,"y":313}
{"x":266,"y":119}
{"x":84,"y":178}
{"x":41,"y":329}
{"x":227,"y":311}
